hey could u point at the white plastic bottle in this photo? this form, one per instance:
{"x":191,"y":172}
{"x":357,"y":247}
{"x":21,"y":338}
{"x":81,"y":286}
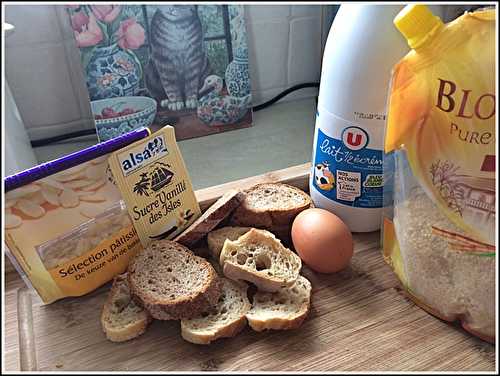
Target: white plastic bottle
{"x":346,"y":175}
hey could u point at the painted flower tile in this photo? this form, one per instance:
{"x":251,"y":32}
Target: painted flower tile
{"x":191,"y":59}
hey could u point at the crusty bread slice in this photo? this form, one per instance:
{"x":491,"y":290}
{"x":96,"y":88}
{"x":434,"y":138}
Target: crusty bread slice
{"x":259,"y":257}
{"x":226,"y":319}
{"x":216,"y":213}
{"x":270,"y":205}
{"x":171,"y":282}
{"x":121,"y":318}
{"x":216,"y":238}
{"x":284,"y":309}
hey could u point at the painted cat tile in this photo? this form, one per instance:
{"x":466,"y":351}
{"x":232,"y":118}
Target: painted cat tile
{"x":192,"y":59}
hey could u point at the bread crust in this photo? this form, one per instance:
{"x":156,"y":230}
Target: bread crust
{"x":130,"y":331}
{"x":204,"y":339}
{"x":214,"y":237}
{"x":269,"y":284}
{"x":216,"y":213}
{"x":185,"y":309}
{"x":287,"y":322}
{"x":181,"y":307}
{"x":277,"y":323}
{"x":247,"y":216}
{"x":206,"y":336}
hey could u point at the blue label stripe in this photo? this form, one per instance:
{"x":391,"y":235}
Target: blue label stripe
{"x":349,"y":177}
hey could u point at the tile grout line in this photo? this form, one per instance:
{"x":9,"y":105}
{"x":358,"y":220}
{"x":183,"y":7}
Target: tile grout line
{"x":70,"y":67}
{"x":288,"y":49}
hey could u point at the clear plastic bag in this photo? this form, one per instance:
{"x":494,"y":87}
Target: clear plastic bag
{"x":444,"y":271}
{"x":85,"y":237}
{"x":439,"y":226}
{"x":67,"y":230}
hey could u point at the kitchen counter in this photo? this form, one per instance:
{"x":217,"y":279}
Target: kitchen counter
{"x":360,"y":321}
{"x":281,"y":136}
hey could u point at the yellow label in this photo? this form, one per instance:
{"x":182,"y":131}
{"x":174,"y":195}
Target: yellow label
{"x":60,"y":218}
{"x":442,"y":113}
{"x":155,"y":185}
{"x":98,"y":266}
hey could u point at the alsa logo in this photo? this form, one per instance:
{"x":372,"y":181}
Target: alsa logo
{"x":354,"y":138}
{"x":142,"y":154}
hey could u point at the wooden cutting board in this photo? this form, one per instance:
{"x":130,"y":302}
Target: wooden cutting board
{"x":360,"y":321}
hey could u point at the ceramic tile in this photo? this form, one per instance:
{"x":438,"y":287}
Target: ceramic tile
{"x":262,"y":96}
{"x":306,"y":10}
{"x":442,"y":10}
{"x":77,"y":77}
{"x":268,"y":50}
{"x":281,"y":54}
{"x":53,"y":130}
{"x":305,"y":51}
{"x":33,"y":24}
{"x":206,"y":86}
{"x":307,"y":93}
{"x":261,"y":13}
{"x":67,"y":32}
{"x":40,"y":82}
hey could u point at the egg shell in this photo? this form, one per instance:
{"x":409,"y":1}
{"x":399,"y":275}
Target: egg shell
{"x":322,"y":240}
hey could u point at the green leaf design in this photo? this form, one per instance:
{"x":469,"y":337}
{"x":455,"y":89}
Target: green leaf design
{"x":104,"y":29}
{"x":87,"y":54}
{"x":113,"y":27}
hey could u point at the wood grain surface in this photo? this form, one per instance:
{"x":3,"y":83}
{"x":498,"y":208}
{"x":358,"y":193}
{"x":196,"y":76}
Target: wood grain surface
{"x":360,"y":321}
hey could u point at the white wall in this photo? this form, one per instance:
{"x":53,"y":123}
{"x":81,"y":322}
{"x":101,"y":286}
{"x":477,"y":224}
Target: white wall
{"x":42,"y":67}
{"x":45,"y":75}
{"x":285,"y":48}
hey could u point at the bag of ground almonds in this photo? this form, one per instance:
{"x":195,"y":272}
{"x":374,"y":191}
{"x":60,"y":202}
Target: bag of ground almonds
{"x":67,"y":229}
{"x":439,"y":226}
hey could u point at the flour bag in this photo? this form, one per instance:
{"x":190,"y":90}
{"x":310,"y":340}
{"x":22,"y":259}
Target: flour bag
{"x":439,"y":225}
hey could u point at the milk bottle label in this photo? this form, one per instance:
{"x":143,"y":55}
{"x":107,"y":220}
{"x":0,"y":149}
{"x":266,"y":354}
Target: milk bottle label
{"x":347,"y":169}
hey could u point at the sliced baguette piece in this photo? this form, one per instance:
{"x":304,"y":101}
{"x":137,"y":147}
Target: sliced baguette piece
{"x":270,"y":205}
{"x":284,"y":309}
{"x":122,"y":318}
{"x":171,"y":282}
{"x":259,"y":257}
{"x":226,"y":319}
{"x":216,"y":213}
{"x":216,"y":238}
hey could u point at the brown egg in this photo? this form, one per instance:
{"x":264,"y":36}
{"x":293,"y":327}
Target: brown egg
{"x":322,"y":240}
